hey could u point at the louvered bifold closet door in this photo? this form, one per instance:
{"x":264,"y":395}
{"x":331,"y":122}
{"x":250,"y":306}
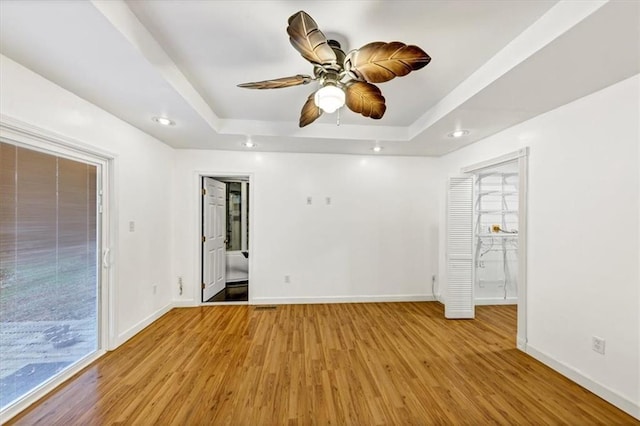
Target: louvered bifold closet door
{"x":459,"y":297}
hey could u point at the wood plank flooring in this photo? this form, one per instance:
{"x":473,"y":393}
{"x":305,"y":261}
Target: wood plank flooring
{"x":339,"y":364}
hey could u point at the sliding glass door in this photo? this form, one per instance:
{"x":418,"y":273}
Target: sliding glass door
{"x":49,"y":269}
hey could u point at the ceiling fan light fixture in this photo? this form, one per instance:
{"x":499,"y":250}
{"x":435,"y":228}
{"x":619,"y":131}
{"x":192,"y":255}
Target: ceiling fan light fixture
{"x":329,"y":98}
{"x":343,"y":75}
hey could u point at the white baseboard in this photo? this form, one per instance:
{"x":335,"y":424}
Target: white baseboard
{"x":128,"y":334}
{"x":496,"y":301}
{"x":586,"y":382}
{"x":189,"y":303}
{"x":343,"y":299}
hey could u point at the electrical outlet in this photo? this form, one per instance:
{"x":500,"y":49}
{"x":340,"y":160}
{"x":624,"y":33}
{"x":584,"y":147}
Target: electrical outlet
{"x":155,"y":289}
{"x":287,"y":279}
{"x":132,"y":226}
{"x":598,"y":344}
{"x":180,"y":285}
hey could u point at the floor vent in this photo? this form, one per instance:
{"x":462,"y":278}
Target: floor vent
{"x":265,"y":308}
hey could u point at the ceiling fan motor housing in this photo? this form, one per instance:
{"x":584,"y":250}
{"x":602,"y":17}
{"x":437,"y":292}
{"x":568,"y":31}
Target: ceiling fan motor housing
{"x":340,"y":55}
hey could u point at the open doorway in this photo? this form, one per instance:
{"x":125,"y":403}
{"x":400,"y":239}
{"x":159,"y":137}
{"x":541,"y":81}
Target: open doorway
{"x":487,"y":213}
{"x":513,"y":167}
{"x":225,"y":239}
{"x":496,"y":235}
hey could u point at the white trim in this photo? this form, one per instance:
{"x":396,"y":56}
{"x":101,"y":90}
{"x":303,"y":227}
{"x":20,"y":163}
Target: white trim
{"x":190,"y":303}
{"x":141,"y":325}
{"x":112,"y":244}
{"x":29,"y":132}
{"x":521,"y":344}
{"x":523,"y":245}
{"x":586,"y":382}
{"x":506,"y":158}
{"x":343,"y":299}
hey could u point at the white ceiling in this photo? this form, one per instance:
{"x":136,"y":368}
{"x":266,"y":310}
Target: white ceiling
{"x":494,"y":64}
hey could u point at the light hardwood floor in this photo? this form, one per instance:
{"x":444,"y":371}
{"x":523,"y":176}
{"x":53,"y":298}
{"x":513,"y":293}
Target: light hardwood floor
{"x":360,"y":364}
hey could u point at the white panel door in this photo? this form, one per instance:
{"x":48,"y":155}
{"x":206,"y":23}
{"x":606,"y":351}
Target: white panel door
{"x":214,"y":229}
{"x":459,"y":297}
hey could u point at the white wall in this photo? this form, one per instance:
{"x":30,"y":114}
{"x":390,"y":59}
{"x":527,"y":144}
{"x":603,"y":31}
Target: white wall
{"x":583,"y":276}
{"x":377,"y":240}
{"x":143,"y":172}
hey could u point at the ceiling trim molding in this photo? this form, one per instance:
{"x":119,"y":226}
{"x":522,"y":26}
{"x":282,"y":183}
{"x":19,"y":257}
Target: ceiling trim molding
{"x":558,"y":20}
{"x":125,"y":21}
{"x":318,"y":130}
{"x":428,"y":129}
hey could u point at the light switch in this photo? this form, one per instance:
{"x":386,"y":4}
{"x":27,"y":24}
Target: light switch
{"x":309,"y":200}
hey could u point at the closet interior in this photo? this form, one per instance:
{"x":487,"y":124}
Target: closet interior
{"x":496,"y":235}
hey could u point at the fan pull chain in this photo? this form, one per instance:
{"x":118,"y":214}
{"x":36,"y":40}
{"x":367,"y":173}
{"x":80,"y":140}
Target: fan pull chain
{"x":338,"y":117}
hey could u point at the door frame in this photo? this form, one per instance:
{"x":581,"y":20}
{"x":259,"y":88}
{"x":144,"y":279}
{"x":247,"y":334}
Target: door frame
{"x":38,"y":139}
{"x":251,"y":215}
{"x":522,"y":157}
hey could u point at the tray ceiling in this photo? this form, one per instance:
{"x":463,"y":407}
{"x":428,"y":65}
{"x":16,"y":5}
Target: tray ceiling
{"x":494,"y":64}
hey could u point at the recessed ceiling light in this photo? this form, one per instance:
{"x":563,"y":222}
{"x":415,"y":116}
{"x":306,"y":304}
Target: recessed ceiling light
{"x":164,"y":121}
{"x":376,"y":149}
{"x":248,"y":143}
{"x":458,"y":133}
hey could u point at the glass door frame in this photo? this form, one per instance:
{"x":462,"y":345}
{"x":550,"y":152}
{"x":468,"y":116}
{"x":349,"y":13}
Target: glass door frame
{"x":27,"y":136}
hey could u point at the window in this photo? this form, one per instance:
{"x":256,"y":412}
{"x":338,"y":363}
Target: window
{"x":49,"y":274}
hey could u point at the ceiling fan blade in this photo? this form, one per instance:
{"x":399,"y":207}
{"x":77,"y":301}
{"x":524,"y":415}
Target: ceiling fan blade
{"x":366,"y":99}
{"x":378,"y":62}
{"x":310,"y":112}
{"x":278,"y":83}
{"x":307,"y":39}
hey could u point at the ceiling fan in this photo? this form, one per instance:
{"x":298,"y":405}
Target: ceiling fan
{"x":344,"y":78}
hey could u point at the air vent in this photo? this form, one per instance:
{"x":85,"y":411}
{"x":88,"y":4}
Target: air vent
{"x":265,"y":308}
